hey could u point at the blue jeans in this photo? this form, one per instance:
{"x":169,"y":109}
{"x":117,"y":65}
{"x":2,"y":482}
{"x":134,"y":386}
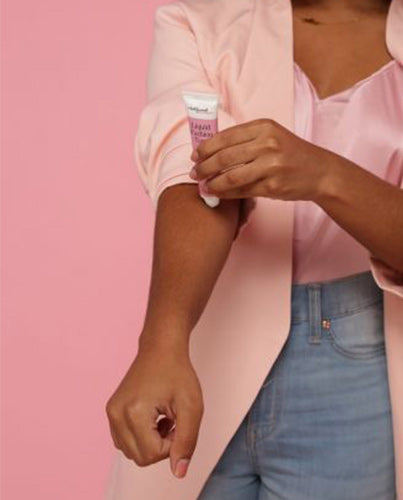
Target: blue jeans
{"x":320,"y":427}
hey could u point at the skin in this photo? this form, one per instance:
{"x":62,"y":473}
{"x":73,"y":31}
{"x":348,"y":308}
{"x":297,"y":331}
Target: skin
{"x":357,"y":49}
{"x":278,"y":164}
{"x":263,"y":159}
{"x":161,"y":378}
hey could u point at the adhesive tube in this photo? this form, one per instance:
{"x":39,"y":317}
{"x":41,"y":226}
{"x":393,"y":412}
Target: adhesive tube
{"x":201,"y":110}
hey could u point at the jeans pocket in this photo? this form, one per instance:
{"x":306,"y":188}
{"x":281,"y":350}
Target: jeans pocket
{"x":360,"y":334}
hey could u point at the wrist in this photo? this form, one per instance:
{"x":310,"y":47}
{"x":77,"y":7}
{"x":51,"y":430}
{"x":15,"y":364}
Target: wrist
{"x":164,"y":338}
{"x":330,"y":184}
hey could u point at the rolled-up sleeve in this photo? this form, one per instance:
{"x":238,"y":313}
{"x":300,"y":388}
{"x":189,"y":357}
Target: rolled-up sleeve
{"x":387,"y":278}
{"x":162,"y":144}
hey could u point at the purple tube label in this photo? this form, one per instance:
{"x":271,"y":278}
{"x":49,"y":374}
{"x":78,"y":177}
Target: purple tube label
{"x":201,"y":130}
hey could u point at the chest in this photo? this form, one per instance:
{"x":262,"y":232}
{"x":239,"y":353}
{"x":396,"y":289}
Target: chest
{"x":337,"y":56}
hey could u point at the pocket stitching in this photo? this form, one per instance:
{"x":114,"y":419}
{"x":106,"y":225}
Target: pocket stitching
{"x":337,"y":347}
{"x":356,"y":310}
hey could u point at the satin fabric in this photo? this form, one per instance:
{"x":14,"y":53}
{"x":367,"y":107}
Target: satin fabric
{"x":244,"y":51}
{"x":322,"y":250}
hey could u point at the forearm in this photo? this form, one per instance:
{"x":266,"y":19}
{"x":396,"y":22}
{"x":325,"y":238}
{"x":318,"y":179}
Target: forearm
{"x":367,"y":207}
{"x":191,"y":244}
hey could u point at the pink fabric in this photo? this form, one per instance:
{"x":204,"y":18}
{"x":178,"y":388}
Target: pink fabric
{"x":322,"y":250}
{"x":244,"y":51}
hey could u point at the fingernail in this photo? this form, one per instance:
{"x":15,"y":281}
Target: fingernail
{"x":195,"y":155}
{"x":193,"y":173}
{"x":181,"y":467}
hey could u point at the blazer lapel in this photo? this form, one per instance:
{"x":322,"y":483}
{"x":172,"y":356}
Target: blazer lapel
{"x":246,"y":321}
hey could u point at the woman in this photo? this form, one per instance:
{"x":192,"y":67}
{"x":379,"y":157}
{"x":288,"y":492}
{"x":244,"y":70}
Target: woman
{"x":320,"y":425}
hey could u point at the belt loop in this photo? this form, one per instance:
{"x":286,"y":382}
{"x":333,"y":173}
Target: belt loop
{"x":314,"y":297}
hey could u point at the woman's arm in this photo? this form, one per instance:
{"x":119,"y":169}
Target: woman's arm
{"x":276,"y":163}
{"x":367,"y":207}
{"x":191,"y":244}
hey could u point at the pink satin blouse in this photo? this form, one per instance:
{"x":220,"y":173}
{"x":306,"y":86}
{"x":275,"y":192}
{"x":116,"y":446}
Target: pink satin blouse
{"x":365,"y":124}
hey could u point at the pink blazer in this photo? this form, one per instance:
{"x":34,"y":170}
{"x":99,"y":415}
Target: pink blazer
{"x":244,"y":51}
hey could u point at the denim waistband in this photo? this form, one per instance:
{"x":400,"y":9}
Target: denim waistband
{"x":332,"y":298}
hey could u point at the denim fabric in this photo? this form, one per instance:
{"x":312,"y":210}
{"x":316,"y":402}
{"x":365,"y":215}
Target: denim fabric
{"x":320,"y":427}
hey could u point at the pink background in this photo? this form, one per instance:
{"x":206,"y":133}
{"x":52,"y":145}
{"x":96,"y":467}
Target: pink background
{"x":77,"y":235}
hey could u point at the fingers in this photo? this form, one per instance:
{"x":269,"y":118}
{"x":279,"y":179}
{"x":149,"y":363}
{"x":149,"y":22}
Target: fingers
{"x":237,"y":134}
{"x":257,"y":139}
{"x":143,"y":427}
{"x":188,"y":418}
{"x":115,"y":438}
{"x":237,"y":178}
{"x":122,"y":437}
{"x":224,"y":159}
{"x":134,"y":431}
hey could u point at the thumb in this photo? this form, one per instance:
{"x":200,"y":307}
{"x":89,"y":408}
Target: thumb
{"x":184,"y":439}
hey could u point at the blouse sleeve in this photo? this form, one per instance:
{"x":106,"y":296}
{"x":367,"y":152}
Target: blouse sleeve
{"x":387,"y":278}
{"x":162,"y":144}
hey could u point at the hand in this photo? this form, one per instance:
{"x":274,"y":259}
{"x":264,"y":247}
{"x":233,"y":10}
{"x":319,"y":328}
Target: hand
{"x":262,"y":158}
{"x":161,"y":380}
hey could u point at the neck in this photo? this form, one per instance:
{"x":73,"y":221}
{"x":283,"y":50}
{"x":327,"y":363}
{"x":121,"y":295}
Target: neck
{"x":359,"y":6}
